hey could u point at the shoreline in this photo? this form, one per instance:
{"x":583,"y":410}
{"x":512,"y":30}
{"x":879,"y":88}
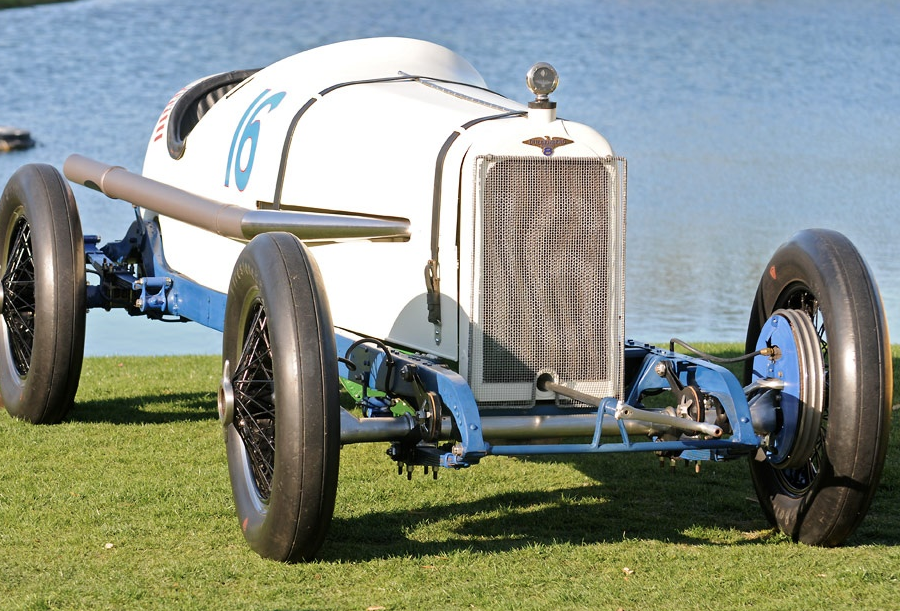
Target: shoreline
{"x":22,"y":3}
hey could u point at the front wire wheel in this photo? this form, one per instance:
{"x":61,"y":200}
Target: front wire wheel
{"x":18,"y":296}
{"x":280,"y":406}
{"x":42,"y":290}
{"x":822,"y":498}
{"x":253,"y":384}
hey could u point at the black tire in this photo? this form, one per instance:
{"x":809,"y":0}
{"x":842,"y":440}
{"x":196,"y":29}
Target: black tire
{"x":42,"y":317}
{"x":820,"y":273}
{"x":282,"y":431}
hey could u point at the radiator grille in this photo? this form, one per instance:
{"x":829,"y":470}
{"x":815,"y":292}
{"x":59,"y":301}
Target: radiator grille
{"x":547,"y":275}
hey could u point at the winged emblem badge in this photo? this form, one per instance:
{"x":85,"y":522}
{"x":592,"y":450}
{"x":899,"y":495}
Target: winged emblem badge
{"x":547,"y":144}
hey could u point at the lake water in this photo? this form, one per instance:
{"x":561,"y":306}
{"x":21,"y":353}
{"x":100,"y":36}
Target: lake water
{"x":742,"y":121}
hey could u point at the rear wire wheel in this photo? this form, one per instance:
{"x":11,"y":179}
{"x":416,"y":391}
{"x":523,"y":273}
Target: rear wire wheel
{"x":822,"y":497}
{"x":279,"y":402}
{"x":42,"y":295}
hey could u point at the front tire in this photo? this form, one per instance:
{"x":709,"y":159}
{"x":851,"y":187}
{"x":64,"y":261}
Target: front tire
{"x":280,"y":406}
{"x":821,"y":501}
{"x":42,"y":275}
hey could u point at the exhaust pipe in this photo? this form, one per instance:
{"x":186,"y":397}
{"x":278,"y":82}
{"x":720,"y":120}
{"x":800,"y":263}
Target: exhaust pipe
{"x":228,"y":220}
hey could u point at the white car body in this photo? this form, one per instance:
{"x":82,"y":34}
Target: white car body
{"x":343,"y":128}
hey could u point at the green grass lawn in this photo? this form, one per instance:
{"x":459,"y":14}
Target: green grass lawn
{"x":127,"y":505}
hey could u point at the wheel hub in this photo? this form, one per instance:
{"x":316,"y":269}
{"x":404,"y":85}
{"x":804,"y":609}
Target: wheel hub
{"x":801,"y":369}
{"x":226,"y":396}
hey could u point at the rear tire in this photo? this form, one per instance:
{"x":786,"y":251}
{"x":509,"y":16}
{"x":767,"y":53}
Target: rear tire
{"x":820,"y":274}
{"x":280,"y":406}
{"x":42,"y":316}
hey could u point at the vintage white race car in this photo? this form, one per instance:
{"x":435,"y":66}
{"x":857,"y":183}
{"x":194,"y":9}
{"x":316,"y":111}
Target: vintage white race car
{"x":369,"y":211}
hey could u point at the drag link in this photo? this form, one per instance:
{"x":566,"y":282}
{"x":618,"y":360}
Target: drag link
{"x":627,"y":412}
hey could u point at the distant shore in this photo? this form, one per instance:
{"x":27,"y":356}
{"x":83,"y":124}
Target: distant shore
{"x":19,"y":3}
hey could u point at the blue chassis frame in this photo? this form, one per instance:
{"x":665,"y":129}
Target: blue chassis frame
{"x":161,"y":293}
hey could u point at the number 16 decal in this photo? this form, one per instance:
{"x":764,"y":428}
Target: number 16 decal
{"x":240,"y":163}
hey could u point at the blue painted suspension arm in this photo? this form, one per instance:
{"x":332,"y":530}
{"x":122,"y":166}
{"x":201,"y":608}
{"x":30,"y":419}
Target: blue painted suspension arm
{"x":454,"y":393}
{"x":160,"y":292}
{"x":712,"y":379}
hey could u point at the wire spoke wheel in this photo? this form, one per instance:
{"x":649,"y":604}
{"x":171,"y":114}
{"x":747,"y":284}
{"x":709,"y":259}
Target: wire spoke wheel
{"x":42,"y":290}
{"x":819,"y":488}
{"x":254,"y":405}
{"x":280,"y":407}
{"x":18,"y":296}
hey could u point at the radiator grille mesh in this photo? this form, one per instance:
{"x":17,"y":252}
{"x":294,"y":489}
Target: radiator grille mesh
{"x":549,"y":288}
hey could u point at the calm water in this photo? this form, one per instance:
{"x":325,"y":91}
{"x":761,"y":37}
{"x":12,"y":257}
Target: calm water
{"x":743,"y":121}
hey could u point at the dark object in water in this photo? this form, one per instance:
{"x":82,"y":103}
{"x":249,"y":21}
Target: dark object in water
{"x":12,"y":139}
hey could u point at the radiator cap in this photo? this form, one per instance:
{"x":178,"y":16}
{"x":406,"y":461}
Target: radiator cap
{"x":542,"y":80}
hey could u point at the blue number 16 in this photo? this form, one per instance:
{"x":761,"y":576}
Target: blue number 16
{"x":247,"y":131}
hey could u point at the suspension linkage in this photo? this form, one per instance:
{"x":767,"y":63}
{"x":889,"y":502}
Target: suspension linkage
{"x":627,"y":412}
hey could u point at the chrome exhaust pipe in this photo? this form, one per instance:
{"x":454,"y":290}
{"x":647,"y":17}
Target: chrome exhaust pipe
{"x":228,"y":220}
